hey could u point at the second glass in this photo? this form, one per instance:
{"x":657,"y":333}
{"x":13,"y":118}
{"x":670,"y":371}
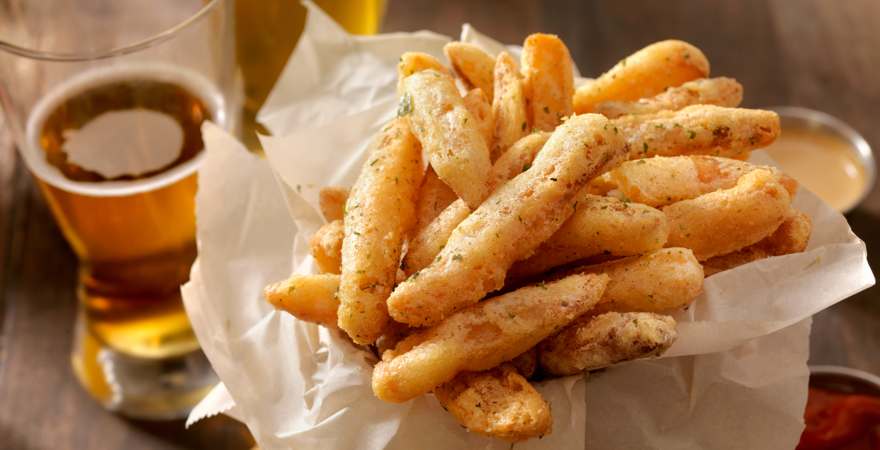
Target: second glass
{"x":106,"y":99}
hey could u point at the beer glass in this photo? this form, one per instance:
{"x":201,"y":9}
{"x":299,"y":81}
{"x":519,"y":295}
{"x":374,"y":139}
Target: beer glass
{"x":105,"y":99}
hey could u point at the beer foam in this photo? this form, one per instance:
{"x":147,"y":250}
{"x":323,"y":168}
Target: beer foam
{"x":35,"y":157}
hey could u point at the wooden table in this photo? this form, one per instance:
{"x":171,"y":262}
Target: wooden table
{"x":815,"y":53}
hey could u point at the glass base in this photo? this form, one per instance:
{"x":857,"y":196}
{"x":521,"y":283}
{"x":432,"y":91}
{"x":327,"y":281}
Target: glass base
{"x":140,"y":388}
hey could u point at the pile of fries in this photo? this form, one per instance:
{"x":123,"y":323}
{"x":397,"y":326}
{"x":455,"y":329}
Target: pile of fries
{"x":553,"y":231}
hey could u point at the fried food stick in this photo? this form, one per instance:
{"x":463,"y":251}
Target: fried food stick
{"x":508,"y":105}
{"x":378,"y":215}
{"x":594,"y":342}
{"x":645,"y":73}
{"x":699,"y":130}
{"x":430,"y":239}
{"x":728,"y":220}
{"x":599,"y":226}
{"x":412,"y":62}
{"x":663,"y":180}
{"x":481,"y":108}
{"x":326,"y":246}
{"x":791,"y":237}
{"x":449,"y":133}
{"x":311,"y":298}
{"x":707,"y":91}
{"x":482,"y":336}
{"x":510,"y":224}
{"x":548,"y":78}
{"x":472,"y":64}
{"x":661,"y":281}
{"x":498,"y":402}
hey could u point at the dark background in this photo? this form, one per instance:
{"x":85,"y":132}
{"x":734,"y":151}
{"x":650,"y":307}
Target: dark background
{"x":821,"y":54}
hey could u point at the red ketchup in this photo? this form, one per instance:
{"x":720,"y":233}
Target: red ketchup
{"x":841,"y":421}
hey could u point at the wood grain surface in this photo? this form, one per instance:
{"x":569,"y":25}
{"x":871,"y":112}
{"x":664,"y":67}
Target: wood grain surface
{"x":815,"y":53}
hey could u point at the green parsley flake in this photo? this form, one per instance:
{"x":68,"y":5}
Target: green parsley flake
{"x":406,"y":105}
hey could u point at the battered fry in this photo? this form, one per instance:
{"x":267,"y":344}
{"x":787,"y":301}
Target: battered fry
{"x":472,"y":64}
{"x":481,"y":108}
{"x":663,"y":180}
{"x":727,"y":220}
{"x":599,"y":226}
{"x":645,"y":73}
{"x":664,"y":280}
{"x":508,"y":105}
{"x":548,"y":79}
{"x":449,"y":133}
{"x":498,"y":402}
{"x":594,"y":342}
{"x":326,"y":246}
{"x":311,"y":298}
{"x":378,"y":215}
{"x":708,"y":91}
{"x":699,"y":130}
{"x":482,"y":336}
{"x":412,"y":62}
{"x":791,"y":237}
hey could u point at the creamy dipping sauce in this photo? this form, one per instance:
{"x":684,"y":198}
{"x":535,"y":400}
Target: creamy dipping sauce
{"x":824,"y":163}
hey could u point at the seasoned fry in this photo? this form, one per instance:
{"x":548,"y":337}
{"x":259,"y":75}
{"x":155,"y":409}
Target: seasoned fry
{"x":326,"y":246}
{"x":430,"y":239}
{"x":699,"y":130}
{"x":449,"y":133}
{"x":720,"y":91}
{"x":482,"y":336}
{"x":599,"y":226}
{"x":661,"y":281}
{"x":498,"y":402}
{"x":510,"y":224}
{"x":791,"y":237}
{"x":645,"y":73}
{"x":508,"y":105}
{"x":481,"y":108}
{"x":412,"y":62}
{"x":311,"y":298}
{"x":548,"y":79}
{"x":434,"y":196}
{"x":379,"y":214}
{"x":594,"y":342}
{"x":472,"y":64}
{"x":663,"y":180}
{"x":727,"y":220}
{"x":331,"y":200}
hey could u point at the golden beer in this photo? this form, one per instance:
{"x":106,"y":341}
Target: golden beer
{"x":266,"y":32}
{"x":134,"y":233}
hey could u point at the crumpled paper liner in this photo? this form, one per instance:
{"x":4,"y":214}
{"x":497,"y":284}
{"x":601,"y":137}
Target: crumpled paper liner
{"x":739,"y":363}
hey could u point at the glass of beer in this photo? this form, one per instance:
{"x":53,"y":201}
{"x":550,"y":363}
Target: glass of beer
{"x":105,"y":99}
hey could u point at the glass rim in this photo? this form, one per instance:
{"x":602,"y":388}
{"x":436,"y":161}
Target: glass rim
{"x":111,"y":52}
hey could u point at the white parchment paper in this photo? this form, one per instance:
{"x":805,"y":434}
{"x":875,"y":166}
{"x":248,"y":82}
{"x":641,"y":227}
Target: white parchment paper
{"x":736,"y":377}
